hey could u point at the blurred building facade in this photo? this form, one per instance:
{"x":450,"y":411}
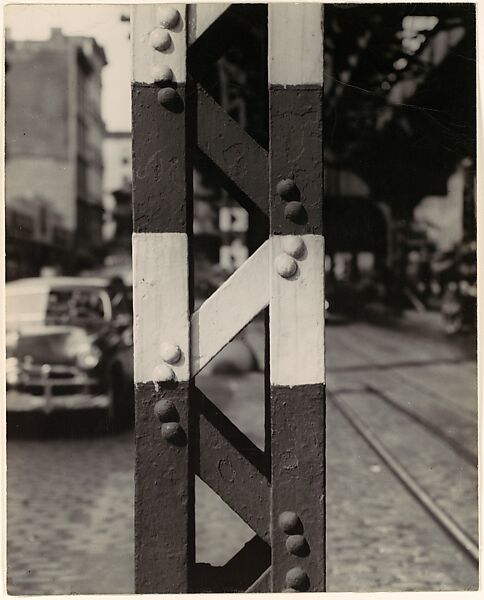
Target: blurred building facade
{"x":54,"y":164}
{"x":117,"y":186}
{"x":399,"y":116}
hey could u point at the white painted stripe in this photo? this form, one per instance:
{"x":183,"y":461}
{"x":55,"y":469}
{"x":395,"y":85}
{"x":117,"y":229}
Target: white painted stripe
{"x":295,"y":43}
{"x":230,"y":308}
{"x":206,"y":14}
{"x":161,"y":309}
{"x":146,"y":60}
{"x":297,"y":315}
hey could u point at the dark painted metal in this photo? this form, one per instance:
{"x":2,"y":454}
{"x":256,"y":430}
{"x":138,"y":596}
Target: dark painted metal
{"x":235,"y":153}
{"x":170,"y":99}
{"x":159,"y":159}
{"x":164,"y":477}
{"x":174,"y":433}
{"x":267,"y":391}
{"x":233,"y":190}
{"x":297,"y":413}
{"x":288,"y":190}
{"x":298,"y":484}
{"x":233,"y":467}
{"x":297,"y":579}
{"x":295,"y":212}
{"x":297,"y":544}
{"x":295,"y":152}
{"x":164,"y":496}
{"x":289,"y":522}
{"x":166,"y":411}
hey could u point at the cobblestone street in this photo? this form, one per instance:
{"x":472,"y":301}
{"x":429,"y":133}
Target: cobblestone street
{"x":70,"y":501}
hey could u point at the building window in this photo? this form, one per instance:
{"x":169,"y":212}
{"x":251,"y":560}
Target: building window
{"x":43,"y":220}
{"x":81,"y":178}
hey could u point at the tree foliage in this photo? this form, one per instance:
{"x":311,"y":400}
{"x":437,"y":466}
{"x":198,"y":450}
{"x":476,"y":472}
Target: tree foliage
{"x":400,"y":95}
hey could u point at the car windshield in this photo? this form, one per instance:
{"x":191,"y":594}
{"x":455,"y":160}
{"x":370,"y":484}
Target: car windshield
{"x":57,"y":305}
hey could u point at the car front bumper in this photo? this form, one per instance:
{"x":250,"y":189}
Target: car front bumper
{"x":20,"y":401}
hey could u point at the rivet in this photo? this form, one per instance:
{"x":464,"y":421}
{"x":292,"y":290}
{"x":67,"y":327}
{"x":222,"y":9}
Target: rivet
{"x":170,"y":353}
{"x":298,"y":579}
{"x":297,"y":545}
{"x":160,"y":39}
{"x":163,"y":372}
{"x":172,"y":432}
{"x":169,"y":98}
{"x":294,"y":211}
{"x":286,"y":266}
{"x":289,"y":522}
{"x":168,"y":17}
{"x":162,"y":73}
{"x":293,"y":245}
{"x":287,"y":189}
{"x":166,"y":411}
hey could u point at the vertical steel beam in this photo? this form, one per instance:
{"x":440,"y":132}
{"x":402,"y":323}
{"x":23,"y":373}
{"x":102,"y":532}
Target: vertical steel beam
{"x":164,"y":486}
{"x":297,"y":298}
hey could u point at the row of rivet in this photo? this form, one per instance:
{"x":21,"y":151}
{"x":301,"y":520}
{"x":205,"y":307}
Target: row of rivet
{"x":165,"y":410}
{"x":171,"y":354}
{"x":294,"y":209}
{"x":168,"y":18}
{"x":171,"y":430}
{"x":294,"y":247}
{"x":161,"y":41}
{"x":297,"y":579}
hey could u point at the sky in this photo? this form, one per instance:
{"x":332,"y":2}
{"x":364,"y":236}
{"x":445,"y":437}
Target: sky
{"x":102,"y":22}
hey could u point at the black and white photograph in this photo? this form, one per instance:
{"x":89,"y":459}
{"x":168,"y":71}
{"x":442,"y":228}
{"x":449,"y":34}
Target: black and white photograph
{"x":240,"y":298}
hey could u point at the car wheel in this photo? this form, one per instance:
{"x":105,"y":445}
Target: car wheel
{"x":121,"y":409}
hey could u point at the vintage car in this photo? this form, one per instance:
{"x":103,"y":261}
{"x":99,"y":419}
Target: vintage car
{"x":69,"y":345}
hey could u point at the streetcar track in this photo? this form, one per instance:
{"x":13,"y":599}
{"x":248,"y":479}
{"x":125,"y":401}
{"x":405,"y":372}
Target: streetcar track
{"x":399,"y":364}
{"x":452,"y":529}
{"x":396,"y":366}
{"x":464,"y":453}
{"x":407,"y":380}
{"x":467,"y":455}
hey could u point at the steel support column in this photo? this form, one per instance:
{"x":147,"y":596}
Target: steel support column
{"x":162,"y":179}
{"x":297,"y":297}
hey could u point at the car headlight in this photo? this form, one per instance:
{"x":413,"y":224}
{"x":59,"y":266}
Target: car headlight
{"x":11,"y":370}
{"x":11,"y":338}
{"x":89,"y":357}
